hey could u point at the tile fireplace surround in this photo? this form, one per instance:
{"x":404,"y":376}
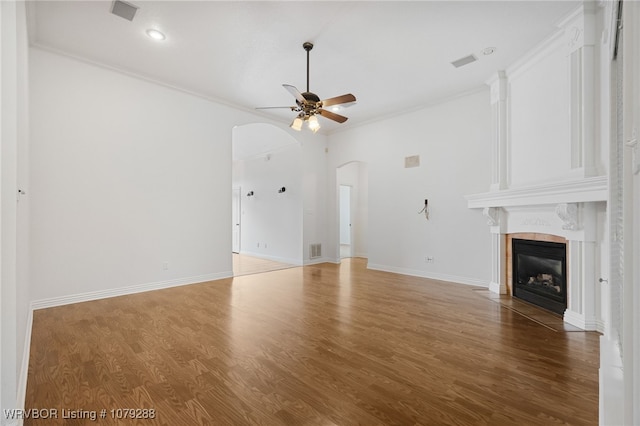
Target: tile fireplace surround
{"x":568,"y":210}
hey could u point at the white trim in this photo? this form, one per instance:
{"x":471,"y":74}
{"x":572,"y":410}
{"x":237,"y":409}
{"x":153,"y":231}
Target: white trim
{"x":123,"y":291}
{"x":409,"y":110}
{"x":431,"y":275}
{"x":496,"y":288}
{"x":319,"y":260}
{"x":549,"y":45}
{"x":24,"y":368}
{"x":590,"y":189}
{"x":611,"y":383}
{"x":291,"y":261}
{"x":269,"y":119}
{"x":580,"y":321}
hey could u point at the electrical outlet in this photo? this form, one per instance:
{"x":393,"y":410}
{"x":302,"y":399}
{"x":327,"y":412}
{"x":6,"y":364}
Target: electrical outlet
{"x":258,"y":245}
{"x":428,"y":259}
{"x":165,"y":266}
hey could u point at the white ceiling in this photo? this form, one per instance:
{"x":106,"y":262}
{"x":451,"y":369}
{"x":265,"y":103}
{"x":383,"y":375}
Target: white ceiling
{"x":393,"y":56}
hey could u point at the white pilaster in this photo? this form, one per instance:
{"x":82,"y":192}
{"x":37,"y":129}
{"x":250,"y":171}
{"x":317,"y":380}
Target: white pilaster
{"x":579,"y":33}
{"x":498,"y":85}
{"x":498,"y":282}
{"x":581,"y":259}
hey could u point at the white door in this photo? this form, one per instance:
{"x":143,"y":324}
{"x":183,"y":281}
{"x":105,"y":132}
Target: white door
{"x":235,"y":217}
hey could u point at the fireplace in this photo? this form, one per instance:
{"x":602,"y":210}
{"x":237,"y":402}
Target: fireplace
{"x":539,"y":273}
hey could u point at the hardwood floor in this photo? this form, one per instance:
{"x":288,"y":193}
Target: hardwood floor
{"x":320,"y":345}
{"x":245,"y":265}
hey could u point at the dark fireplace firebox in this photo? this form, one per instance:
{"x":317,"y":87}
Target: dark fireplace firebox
{"x":539,"y":273}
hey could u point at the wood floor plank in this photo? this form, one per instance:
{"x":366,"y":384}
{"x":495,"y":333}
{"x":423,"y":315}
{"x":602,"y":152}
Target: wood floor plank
{"x":324,"y":344}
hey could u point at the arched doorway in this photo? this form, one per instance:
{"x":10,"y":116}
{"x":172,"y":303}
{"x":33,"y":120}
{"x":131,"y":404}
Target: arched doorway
{"x":267,"y":199}
{"x":352,"y":180}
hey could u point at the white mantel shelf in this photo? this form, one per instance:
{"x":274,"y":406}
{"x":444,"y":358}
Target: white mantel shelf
{"x":592,"y":189}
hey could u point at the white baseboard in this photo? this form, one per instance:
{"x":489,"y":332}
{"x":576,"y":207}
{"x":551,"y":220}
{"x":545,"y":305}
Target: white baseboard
{"x":318,"y":260}
{"x":23,"y":373}
{"x":431,"y":275}
{"x":86,"y":297}
{"x":611,"y":381}
{"x":123,"y":291}
{"x":290,"y":261}
{"x":497,"y":288}
{"x":580,"y":321}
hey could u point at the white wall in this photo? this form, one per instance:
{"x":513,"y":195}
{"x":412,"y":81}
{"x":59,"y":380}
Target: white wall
{"x":540,"y":120}
{"x":125,"y":176}
{"x":271,"y":222}
{"x":452,"y":140}
{"x":314,"y":187}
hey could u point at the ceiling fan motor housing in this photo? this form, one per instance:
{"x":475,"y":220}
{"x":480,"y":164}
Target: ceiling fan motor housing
{"x":308,"y":104}
{"x":311,"y":97}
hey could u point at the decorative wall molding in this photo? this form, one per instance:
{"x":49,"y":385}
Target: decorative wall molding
{"x":579,"y":28}
{"x":574,"y":37}
{"x":493,"y":216}
{"x":535,"y":222}
{"x":498,"y":86}
{"x":568,"y":213}
{"x":499,"y":134}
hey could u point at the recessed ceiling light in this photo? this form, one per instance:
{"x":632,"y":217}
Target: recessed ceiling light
{"x":335,"y":108}
{"x":488,"y":50}
{"x":155,"y":34}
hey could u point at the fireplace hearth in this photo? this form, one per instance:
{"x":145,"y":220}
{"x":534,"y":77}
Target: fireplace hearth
{"x":539,"y":273}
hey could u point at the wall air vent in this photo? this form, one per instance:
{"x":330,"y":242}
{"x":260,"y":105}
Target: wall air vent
{"x":464,"y":61}
{"x":315,"y":251}
{"x":412,"y":161}
{"x":124,"y":10}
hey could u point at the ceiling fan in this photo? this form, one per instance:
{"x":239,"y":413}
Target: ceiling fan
{"x":308,"y":104}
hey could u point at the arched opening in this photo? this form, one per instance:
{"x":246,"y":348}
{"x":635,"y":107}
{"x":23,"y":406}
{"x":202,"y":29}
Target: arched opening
{"x":352,"y":180}
{"x":267,"y":199}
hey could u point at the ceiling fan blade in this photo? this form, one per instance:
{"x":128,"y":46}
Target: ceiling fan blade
{"x":339,"y":100}
{"x":295,"y":92}
{"x":292,"y":108}
{"x":332,"y":116}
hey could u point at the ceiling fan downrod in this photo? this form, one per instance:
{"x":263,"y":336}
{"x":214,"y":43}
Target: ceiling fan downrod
{"x":307,"y":46}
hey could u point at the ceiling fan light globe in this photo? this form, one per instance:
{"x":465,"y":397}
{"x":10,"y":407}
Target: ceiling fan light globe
{"x":297,"y":124}
{"x":313,"y":124}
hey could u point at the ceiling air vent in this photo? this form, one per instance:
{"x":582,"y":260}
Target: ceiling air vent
{"x":464,"y":61}
{"x":124,"y":10}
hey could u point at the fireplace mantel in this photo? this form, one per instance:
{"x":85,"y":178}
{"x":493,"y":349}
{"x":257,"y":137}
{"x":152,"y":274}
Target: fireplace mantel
{"x":546,"y":176}
{"x":566,"y":209}
{"x":591,"y":189}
